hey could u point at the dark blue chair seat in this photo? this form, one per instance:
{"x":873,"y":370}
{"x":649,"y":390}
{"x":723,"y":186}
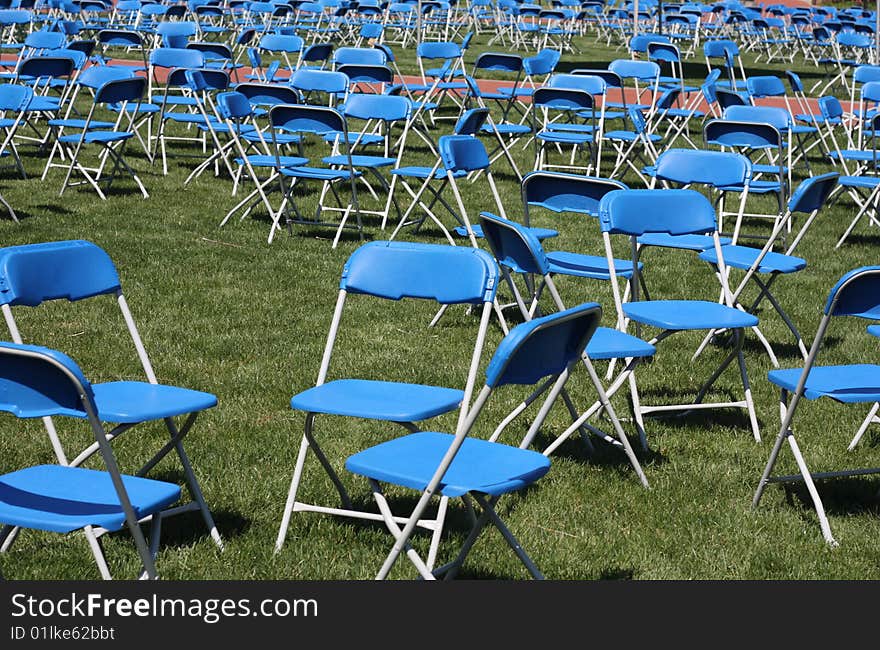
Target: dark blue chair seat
{"x":562,"y":137}
{"x":540,"y":233}
{"x":680,"y":315}
{"x":587,"y":266}
{"x":378,"y":400}
{"x":98,"y":136}
{"x":62,"y":499}
{"x":317,"y":173}
{"x":507,"y":129}
{"x":263,"y":160}
{"x":479,"y":466}
{"x":742,"y":257}
{"x":360,"y":161}
{"x":682,"y":242}
{"x":424,"y":172}
{"x":848,"y":384}
{"x":629,"y":136}
{"x":864,"y":182}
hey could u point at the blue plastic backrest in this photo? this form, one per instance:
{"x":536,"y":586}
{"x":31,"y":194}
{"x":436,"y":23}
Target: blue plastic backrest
{"x":718,"y":168}
{"x":371,"y":30}
{"x":268,"y":94}
{"x":97,"y":75}
{"x":794,"y":81}
{"x":45,"y":40}
{"x":233,"y":105}
{"x":383,"y":107}
{"x":765,"y":86}
{"x":462,"y":153}
{"x":121,"y":90}
{"x":181,"y":28}
{"x":438,"y":50}
{"x":544,"y":62}
{"x":871,"y":91}
{"x":447,"y":274}
{"x":47,"y":66}
{"x":33,"y":273}
{"x":562,"y":98}
{"x":830,"y":107}
{"x":15,"y":97}
{"x":360,"y":56}
{"x":177,"y":57}
{"x":637,"y":119}
{"x":207,"y":79}
{"x":281,"y":43}
{"x":366,"y":73}
{"x":15,"y":17}
{"x":856,"y":294}
{"x":320,"y":120}
{"x":853,"y":39}
{"x":660,"y":51}
{"x":812,"y":193}
{"x":499,"y":61}
{"x":773,"y":115}
{"x":588,"y":83}
{"x":563,"y":192}
{"x":37,"y":381}
{"x":640,"y":42}
{"x":471,"y":121}
{"x":323,"y":81}
{"x":639,"y":212}
{"x":730,"y":133}
{"x":716,"y":49}
{"x":866,"y":73}
{"x":641,"y":70}
{"x":543,"y":347}
{"x":513,"y":245}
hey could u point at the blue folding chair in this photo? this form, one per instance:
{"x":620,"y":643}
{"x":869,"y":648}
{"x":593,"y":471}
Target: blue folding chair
{"x":635,"y":213}
{"x":39,"y":382}
{"x":809,"y":198}
{"x":239,"y":110}
{"x":77,"y":270}
{"x":121,"y":92}
{"x":14,"y":100}
{"x":391,"y":271}
{"x":857,"y":294}
{"x":457,"y":465}
{"x":558,"y":122}
{"x":459,"y":156}
{"x":518,"y":252}
{"x":322,"y":121}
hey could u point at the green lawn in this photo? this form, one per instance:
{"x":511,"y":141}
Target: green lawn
{"x":222,"y":311}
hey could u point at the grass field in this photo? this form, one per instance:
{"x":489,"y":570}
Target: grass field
{"x":222,"y":311}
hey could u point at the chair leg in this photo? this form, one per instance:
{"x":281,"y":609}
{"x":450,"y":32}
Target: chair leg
{"x":291,"y":494}
{"x":870,"y":419}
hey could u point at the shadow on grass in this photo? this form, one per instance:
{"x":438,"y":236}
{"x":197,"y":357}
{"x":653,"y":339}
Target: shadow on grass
{"x":604,"y":454}
{"x":840,"y":496}
{"x":36,"y":211}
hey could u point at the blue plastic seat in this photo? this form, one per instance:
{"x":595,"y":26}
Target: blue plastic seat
{"x":392,"y":271}
{"x":856,"y":294}
{"x":635,"y":213}
{"x":39,"y":382}
{"x":448,"y":465}
{"x":77,"y":270}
